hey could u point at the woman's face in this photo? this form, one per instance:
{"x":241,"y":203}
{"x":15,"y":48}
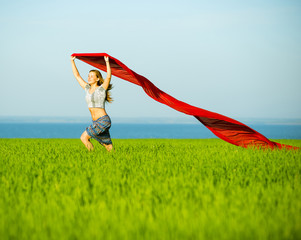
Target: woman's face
{"x":92,"y":78}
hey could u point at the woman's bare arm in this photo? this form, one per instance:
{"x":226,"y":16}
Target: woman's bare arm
{"x":81,"y":81}
{"x":107,"y":81}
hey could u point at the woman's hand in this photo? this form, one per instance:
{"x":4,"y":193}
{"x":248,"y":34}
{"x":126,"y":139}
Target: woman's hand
{"x":106,"y":82}
{"x":72,"y":58}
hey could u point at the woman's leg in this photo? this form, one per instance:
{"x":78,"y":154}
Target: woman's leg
{"x":109,"y":147}
{"x":85,"y":138}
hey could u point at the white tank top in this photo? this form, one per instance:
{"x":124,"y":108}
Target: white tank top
{"x":97,"y":98}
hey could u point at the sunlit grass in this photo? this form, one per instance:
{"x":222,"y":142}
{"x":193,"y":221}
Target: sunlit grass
{"x":148,"y":189}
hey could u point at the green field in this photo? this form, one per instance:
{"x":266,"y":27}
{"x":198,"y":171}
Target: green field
{"x":148,"y":189}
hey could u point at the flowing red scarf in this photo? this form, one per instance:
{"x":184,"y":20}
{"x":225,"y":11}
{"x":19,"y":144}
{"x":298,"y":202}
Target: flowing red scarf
{"x":228,"y":129}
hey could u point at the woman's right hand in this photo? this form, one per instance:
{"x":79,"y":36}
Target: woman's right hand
{"x":72,"y":58}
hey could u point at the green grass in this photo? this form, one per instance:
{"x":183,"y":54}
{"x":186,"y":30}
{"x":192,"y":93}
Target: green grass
{"x":148,"y":189}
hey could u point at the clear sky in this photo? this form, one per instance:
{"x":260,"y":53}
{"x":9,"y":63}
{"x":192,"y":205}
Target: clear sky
{"x":238,"y":58}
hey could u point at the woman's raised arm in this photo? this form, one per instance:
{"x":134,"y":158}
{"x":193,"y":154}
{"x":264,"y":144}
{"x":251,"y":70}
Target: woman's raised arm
{"x":81,"y":81}
{"x":107,"y":81}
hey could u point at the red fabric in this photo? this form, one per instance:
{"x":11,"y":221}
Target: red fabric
{"x":223,"y":127}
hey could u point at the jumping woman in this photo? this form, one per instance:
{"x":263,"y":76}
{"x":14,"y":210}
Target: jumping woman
{"x":97,"y":92}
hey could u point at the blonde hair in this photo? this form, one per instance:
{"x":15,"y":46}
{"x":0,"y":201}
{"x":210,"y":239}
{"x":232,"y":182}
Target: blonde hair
{"x":108,"y":95}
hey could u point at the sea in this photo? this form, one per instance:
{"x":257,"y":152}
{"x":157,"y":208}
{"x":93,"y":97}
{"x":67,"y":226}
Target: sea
{"x":119,"y":130}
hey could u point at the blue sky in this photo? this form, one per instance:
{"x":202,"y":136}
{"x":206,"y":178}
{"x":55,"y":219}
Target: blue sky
{"x":238,"y":58}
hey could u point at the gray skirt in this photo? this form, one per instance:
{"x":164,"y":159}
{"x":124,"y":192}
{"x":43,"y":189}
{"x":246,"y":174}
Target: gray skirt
{"x":99,"y":130}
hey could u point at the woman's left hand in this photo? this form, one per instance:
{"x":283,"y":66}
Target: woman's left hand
{"x":106,"y":58}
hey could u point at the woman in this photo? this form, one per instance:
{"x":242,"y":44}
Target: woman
{"x":97,"y":92}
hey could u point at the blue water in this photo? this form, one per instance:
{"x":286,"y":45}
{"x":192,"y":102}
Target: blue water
{"x":118,"y":130}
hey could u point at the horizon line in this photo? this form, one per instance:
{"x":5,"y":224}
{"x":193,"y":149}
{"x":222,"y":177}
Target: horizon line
{"x":140,"y":120}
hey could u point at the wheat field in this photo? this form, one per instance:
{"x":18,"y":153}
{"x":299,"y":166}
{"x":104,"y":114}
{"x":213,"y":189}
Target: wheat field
{"x":148,"y":189}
